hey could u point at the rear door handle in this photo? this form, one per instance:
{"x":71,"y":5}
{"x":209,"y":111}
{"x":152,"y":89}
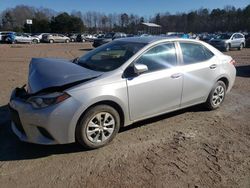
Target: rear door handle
{"x":176,"y":75}
{"x":213,"y":66}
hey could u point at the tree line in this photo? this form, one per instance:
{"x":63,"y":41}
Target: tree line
{"x":48,"y":20}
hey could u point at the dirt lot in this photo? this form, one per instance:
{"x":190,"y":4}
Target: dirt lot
{"x":187,"y":148}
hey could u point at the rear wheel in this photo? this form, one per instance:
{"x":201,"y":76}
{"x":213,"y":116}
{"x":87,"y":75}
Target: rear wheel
{"x":51,"y":41}
{"x":98,"y":126}
{"x":241,"y":47}
{"x":216,"y":96}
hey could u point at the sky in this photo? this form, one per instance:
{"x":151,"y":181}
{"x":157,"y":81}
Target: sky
{"x":139,"y":7}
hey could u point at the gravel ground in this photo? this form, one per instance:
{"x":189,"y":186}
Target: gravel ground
{"x":187,"y":148}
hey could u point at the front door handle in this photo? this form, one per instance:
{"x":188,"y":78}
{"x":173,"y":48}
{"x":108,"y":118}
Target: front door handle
{"x":176,"y":75}
{"x":213,"y":66}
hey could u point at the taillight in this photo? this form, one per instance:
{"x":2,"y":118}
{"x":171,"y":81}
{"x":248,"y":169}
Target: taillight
{"x":233,"y":62}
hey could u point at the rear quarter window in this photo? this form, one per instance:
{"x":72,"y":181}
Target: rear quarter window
{"x":194,"y":53}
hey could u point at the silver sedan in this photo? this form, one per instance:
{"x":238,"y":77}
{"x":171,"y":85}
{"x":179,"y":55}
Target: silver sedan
{"x":125,"y":81}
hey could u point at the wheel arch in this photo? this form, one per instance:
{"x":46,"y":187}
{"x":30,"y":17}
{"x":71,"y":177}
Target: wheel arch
{"x":111,"y":103}
{"x":225,"y":80}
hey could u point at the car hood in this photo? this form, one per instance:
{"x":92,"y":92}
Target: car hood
{"x":55,"y":74}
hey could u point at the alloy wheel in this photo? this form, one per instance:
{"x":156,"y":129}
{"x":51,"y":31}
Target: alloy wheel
{"x":218,"y":95}
{"x":100,"y":127}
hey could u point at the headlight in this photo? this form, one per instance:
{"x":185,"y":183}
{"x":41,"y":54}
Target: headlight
{"x":43,"y":101}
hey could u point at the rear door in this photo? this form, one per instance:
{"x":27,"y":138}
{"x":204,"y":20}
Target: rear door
{"x":61,"y":38}
{"x":200,"y":71}
{"x":56,"y":38}
{"x":159,"y":89}
{"x":26,"y":38}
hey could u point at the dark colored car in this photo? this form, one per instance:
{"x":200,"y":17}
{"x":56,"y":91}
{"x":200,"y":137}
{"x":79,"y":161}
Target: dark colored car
{"x":80,"y":38}
{"x":9,"y":37}
{"x":72,"y":36}
{"x":247,"y":37}
{"x":207,"y":38}
{"x":108,"y":38}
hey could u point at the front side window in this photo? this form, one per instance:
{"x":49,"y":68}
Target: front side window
{"x":195,"y":53}
{"x":159,"y":57}
{"x":111,"y":56}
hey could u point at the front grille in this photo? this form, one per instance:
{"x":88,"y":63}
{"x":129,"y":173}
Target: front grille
{"x":16,"y":119}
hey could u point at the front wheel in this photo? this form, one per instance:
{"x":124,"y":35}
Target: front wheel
{"x":227,"y":48}
{"x":35,"y":41}
{"x":216,"y":96}
{"x":98,"y":126}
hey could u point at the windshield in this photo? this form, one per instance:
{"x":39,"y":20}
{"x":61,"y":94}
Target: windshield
{"x":224,"y":36}
{"x":110,"y":56}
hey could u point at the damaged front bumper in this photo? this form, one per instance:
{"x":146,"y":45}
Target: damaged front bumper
{"x":50,"y":125}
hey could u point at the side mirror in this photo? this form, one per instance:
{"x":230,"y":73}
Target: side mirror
{"x":140,"y":68}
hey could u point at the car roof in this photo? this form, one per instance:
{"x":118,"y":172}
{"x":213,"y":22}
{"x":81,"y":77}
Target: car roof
{"x":152,"y":39}
{"x":149,"y":39}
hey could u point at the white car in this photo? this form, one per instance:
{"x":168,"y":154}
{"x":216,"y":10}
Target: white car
{"x":24,"y":38}
{"x":115,"y":85}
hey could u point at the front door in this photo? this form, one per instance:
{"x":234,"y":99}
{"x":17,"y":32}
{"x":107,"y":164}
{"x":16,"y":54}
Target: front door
{"x":159,"y":89}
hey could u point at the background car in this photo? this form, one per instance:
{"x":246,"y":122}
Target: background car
{"x":108,"y":38}
{"x":54,"y":37}
{"x":3,"y":35}
{"x":207,"y":37}
{"x":89,"y":38}
{"x":247,"y":37}
{"x":72,"y":37}
{"x":227,"y":41}
{"x":39,"y":35}
{"x":25,"y":38}
{"x":80,"y":38}
{"x":9,"y":37}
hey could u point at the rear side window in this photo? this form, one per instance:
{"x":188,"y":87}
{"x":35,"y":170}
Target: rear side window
{"x":195,"y":53}
{"x":239,"y":36}
{"x":159,"y":57}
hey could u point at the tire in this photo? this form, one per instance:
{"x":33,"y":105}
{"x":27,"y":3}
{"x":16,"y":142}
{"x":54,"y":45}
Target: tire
{"x":67,"y":41}
{"x":51,"y":41}
{"x":241,"y":47}
{"x":35,"y":41}
{"x":72,"y":40}
{"x":93,"y":133}
{"x":216,"y":96}
{"x":227,"y":48}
